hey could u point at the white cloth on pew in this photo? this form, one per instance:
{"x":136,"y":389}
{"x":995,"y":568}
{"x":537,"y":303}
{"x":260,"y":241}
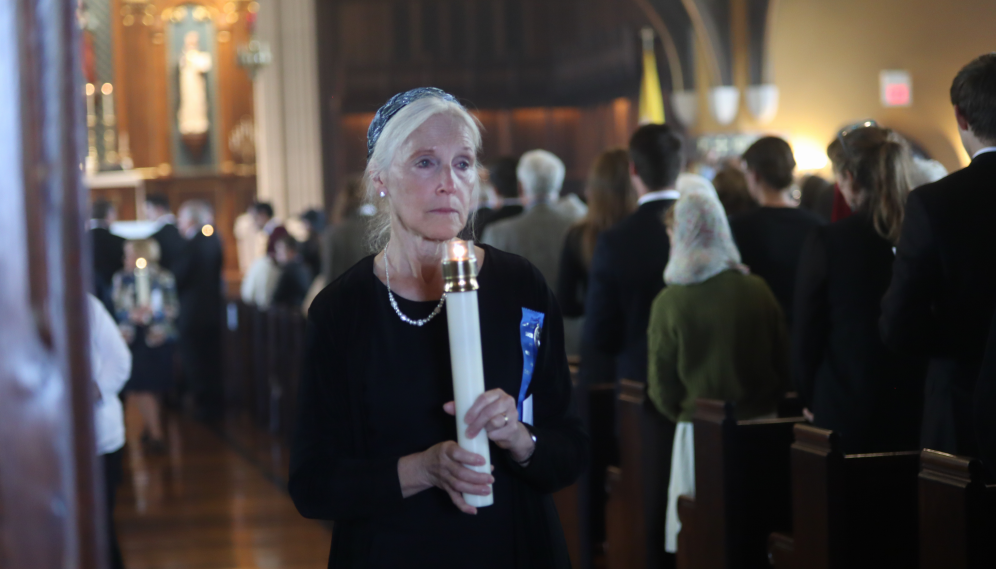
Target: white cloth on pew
{"x":682,"y":481}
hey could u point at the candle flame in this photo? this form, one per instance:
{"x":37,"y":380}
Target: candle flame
{"x":207,"y":230}
{"x":107,"y":89}
{"x":90,"y":89}
{"x":141,"y":263}
{"x":459,"y":250}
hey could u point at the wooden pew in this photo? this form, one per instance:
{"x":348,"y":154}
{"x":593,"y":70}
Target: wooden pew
{"x":742,"y":481}
{"x":957,"y":513}
{"x":570,"y":501}
{"x":848,"y":511}
{"x":638,"y":486}
{"x":598,"y":411}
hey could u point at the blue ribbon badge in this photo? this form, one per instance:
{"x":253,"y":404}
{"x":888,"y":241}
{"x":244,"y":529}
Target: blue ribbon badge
{"x":530,"y":331}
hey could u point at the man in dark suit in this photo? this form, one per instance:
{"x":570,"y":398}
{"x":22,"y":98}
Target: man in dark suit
{"x":943,"y":292}
{"x":198,"y":283}
{"x":627,"y":273}
{"x":167,"y":234}
{"x":501,"y":174}
{"x":108,"y":251}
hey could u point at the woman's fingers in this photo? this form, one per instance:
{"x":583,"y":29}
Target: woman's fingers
{"x":485,"y":399}
{"x":450,"y":408}
{"x":460,"y":503}
{"x":492,"y":415}
{"x":462,"y":473}
{"x":459,"y":454}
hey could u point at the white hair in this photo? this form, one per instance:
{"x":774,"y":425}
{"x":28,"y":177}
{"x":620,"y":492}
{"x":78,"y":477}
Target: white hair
{"x":541,"y":174}
{"x":926,"y":172}
{"x":395,"y":134}
{"x":201,"y":213}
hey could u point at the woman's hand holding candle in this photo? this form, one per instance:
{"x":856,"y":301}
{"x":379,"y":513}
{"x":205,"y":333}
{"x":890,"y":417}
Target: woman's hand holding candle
{"x":489,"y":412}
{"x":445,"y":466}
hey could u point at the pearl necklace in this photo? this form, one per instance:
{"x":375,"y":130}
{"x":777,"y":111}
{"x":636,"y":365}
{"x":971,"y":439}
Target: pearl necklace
{"x":394,"y":303}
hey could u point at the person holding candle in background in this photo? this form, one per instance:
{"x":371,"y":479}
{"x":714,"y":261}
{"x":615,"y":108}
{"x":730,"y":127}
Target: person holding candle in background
{"x":375,"y":447}
{"x":146,"y":308}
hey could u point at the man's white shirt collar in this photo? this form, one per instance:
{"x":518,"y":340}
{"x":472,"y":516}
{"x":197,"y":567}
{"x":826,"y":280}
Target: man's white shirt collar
{"x":983,"y":151}
{"x":657,"y":196}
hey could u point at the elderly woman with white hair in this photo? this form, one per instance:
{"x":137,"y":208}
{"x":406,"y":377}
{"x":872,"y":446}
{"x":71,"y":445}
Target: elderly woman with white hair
{"x":715,"y":332}
{"x":374,"y":449}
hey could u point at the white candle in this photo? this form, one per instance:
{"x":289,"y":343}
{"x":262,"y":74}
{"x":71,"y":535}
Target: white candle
{"x":460,"y":270}
{"x":91,"y":113}
{"x":107,"y":103}
{"x":143,"y":293}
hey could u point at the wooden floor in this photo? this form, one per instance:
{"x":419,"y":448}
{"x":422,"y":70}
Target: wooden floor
{"x":215,"y":501}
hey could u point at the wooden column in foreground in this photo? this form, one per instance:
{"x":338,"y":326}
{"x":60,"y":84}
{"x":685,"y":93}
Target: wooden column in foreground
{"x":51,"y":505}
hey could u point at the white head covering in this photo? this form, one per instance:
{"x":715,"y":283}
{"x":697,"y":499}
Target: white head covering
{"x":926,"y":172}
{"x":703,"y":245}
{"x":688,"y":182}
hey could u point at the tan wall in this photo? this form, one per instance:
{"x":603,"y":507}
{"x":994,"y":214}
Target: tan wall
{"x":827,"y":54}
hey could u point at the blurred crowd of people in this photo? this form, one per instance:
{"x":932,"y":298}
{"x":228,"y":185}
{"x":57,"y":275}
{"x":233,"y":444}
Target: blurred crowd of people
{"x":872,"y":296}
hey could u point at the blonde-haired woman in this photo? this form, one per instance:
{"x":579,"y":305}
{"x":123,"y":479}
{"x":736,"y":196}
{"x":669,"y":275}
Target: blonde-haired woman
{"x":149,"y":327}
{"x":375,"y":448}
{"x":611,"y":197}
{"x":715,"y":332}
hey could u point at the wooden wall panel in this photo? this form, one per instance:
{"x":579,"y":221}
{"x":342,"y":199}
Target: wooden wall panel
{"x":124,"y":201}
{"x":575,"y":134}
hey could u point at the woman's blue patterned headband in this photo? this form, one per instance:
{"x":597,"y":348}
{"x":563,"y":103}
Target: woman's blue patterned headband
{"x":395,"y":104}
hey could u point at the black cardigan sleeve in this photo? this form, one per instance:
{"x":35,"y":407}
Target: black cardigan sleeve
{"x":562,"y":445}
{"x":811,"y":326}
{"x":327,"y":479}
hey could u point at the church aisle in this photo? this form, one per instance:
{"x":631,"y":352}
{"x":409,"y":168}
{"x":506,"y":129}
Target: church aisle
{"x":204,"y":506}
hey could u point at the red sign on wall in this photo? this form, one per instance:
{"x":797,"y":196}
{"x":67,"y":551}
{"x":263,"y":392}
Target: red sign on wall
{"x":896,"y":88}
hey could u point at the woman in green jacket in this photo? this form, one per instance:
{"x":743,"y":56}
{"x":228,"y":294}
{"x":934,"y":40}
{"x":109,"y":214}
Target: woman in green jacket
{"x":715,"y":332}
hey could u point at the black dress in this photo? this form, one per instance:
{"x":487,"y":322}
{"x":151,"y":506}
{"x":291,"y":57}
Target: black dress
{"x":372,"y":392}
{"x":845,"y":374}
{"x":770,"y":241}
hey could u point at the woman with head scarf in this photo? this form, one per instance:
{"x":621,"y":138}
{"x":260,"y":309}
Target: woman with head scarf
{"x":375,"y":447}
{"x":715,"y":332}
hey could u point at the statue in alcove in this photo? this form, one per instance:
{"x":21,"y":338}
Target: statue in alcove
{"x":193,"y":114}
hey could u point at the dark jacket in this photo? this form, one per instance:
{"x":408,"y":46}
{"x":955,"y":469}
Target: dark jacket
{"x":627,"y":272}
{"x":336,"y":475}
{"x":984,"y":404}
{"x":108,"y":258}
{"x":293,"y":285}
{"x":943,"y":295}
{"x":843,"y":372}
{"x":171,"y":246}
{"x":572,"y":280}
{"x":198,"y":282}
{"x":770,"y":241}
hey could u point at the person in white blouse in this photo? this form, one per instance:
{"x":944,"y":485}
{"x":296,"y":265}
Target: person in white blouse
{"x":110,"y":361}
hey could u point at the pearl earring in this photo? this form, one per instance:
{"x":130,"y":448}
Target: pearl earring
{"x":383,"y":194}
